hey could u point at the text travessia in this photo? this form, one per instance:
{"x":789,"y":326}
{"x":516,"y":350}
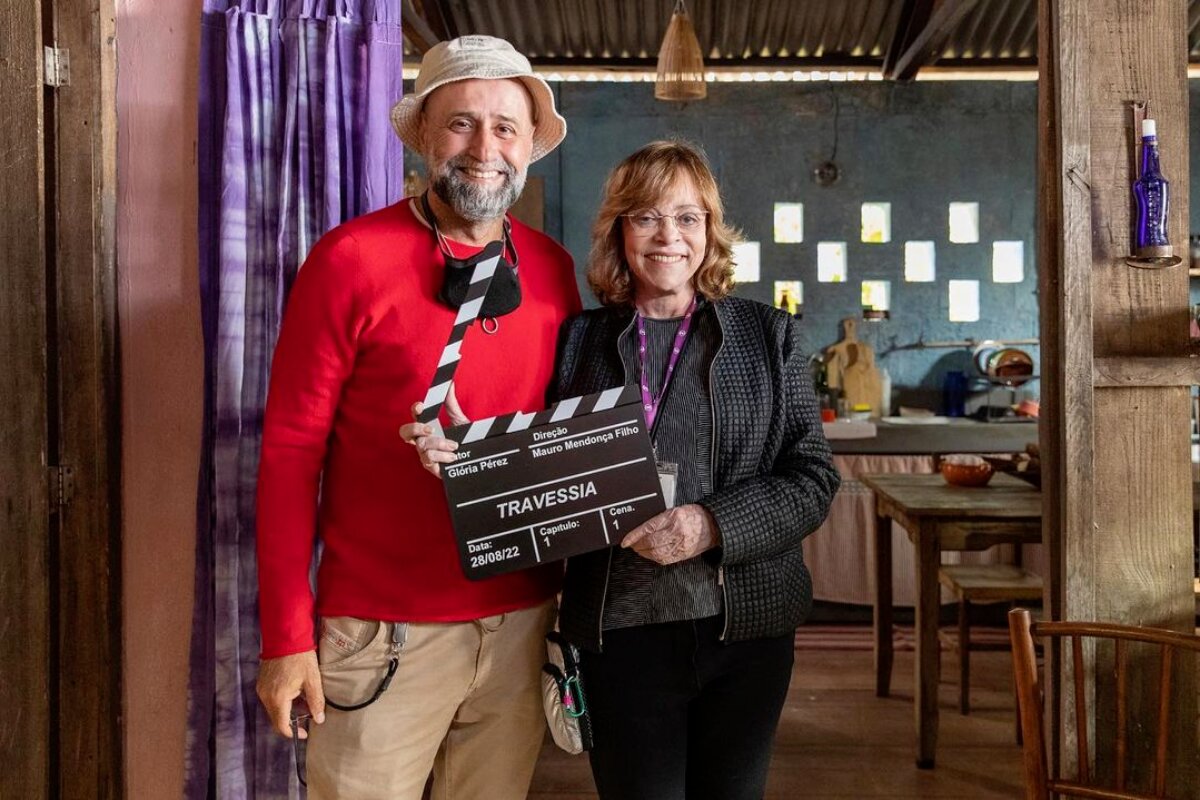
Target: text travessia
{"x":536,"y":502}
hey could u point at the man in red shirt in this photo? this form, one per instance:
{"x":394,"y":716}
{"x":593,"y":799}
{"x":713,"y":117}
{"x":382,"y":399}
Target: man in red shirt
{"x":424,"y":671}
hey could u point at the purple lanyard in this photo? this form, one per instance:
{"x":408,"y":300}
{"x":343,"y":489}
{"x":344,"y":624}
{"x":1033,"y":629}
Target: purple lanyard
{"x":651,"y":402}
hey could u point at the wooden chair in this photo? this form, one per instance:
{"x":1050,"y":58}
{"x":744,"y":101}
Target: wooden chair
{"x":982,"y":583}
{"x":1039,"y":784}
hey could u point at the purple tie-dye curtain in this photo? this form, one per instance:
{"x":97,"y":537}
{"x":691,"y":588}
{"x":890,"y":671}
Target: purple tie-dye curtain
{"x":294,"y":139}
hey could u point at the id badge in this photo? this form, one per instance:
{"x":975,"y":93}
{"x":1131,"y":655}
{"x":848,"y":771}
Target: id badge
{"x":668,"y":474}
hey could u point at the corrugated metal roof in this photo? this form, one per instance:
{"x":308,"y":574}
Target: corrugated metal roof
{"x":762,"y":33}
{"x":994,"y":31}
{"x":616,"y":33}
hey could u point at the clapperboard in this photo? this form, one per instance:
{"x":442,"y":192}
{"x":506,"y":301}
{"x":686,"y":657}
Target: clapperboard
{"x":531,"y":488}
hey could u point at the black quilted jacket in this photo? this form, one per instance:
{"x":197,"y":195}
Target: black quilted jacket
{"x":772,"y":469}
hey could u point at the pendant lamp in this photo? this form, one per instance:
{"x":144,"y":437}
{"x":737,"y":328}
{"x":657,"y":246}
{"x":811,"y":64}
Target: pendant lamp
{"x":680,"y":62}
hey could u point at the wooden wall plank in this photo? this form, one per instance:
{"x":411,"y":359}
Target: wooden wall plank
{"x":1119,"y":521}
{"x":88,"y":592}
{"x":1136,"y":55}
{"x":1066,"y":321}
{"x":24,"y":593}
{"x":1076,"y":234}
{"x":1143,"y":546}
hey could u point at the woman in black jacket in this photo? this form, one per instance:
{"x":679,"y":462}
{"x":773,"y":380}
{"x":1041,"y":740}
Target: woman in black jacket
{"x":687,"y":627}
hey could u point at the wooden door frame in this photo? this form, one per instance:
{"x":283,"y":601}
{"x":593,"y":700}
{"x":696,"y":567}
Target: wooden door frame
{"x":87,"y":594}
{"x":60,"y":654}
{"x":24,"y":489}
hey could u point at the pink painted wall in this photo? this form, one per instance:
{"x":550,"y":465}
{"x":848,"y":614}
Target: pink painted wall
{"x":162,"y":376}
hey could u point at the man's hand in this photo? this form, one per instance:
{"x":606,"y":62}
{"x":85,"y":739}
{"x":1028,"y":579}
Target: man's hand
{"x":676,"y":534}
{"x":434,"y":450}
{"x":281,"y":680}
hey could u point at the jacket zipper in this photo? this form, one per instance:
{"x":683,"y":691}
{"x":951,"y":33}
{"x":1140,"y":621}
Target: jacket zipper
{"x":608,"y":568}
{"x":712,"y":473}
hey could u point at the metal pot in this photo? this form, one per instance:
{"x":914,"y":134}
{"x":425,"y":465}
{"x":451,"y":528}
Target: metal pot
{"x":1005,"y":365}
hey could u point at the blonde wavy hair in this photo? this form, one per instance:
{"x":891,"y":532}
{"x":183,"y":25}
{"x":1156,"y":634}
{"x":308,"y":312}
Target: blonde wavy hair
{"x":640,"y":181}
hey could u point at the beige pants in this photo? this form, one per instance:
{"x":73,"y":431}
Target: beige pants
{"x":465,"y":704}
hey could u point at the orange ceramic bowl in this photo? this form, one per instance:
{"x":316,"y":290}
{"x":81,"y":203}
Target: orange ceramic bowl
{"x":967,"y":474}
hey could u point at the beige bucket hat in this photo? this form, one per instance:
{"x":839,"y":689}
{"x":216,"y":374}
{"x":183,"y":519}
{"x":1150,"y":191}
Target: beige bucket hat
{"x":484,"y":57}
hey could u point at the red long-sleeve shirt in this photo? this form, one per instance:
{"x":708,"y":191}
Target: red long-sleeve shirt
{"x":361,"y":337}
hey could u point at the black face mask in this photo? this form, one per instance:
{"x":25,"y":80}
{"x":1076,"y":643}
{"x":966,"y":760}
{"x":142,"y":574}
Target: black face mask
{"x":504,"y":293}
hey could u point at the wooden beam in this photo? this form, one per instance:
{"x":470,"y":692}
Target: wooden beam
{"x":914,"y":16}
{"x":439,"y":17}
{"x":1051,"y":431}
{"x":1130,"y":372}
{"x":88,"y":550}
{"x":416,"y":28}
{"x":24,"y":501}
{"x":1117,"y":472}
{"x":835,"y":61}
{"x":929,"y":38}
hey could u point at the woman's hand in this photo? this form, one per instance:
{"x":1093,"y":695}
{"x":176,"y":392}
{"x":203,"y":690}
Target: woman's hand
{"x":675,"y":535}
{"x":434,"y":450}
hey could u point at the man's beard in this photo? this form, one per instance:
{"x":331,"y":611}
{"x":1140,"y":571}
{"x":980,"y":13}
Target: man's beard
{"x":471,"y":201}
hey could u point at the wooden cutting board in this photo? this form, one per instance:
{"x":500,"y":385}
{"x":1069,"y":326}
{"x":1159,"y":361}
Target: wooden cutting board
{"x":850,"y":365}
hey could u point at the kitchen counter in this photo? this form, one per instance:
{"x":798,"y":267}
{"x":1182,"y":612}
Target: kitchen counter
{"x":957,"y":436}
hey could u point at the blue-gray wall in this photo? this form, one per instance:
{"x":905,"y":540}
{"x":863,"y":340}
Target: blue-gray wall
{"x":918,"y":146}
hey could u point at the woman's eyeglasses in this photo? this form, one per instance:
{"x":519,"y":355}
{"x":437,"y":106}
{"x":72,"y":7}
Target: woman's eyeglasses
{"x":647,"y":221}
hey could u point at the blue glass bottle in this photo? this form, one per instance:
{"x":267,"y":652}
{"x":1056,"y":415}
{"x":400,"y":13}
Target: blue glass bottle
{"x":1152,"y":193}
{"x":954,"y":394}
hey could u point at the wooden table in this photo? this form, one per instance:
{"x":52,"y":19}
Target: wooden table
{"x":938,"y":517}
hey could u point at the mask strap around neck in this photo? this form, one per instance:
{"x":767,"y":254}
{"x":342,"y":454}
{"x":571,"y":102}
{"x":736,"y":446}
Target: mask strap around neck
{"x":445,"y":247}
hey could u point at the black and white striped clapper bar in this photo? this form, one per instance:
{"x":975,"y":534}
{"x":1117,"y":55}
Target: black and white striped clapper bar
{"x":531,"y":488}
{"x":468,"y":312}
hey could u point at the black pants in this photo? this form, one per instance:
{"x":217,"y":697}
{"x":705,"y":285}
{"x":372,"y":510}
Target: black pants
{"x":680,"y":715}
